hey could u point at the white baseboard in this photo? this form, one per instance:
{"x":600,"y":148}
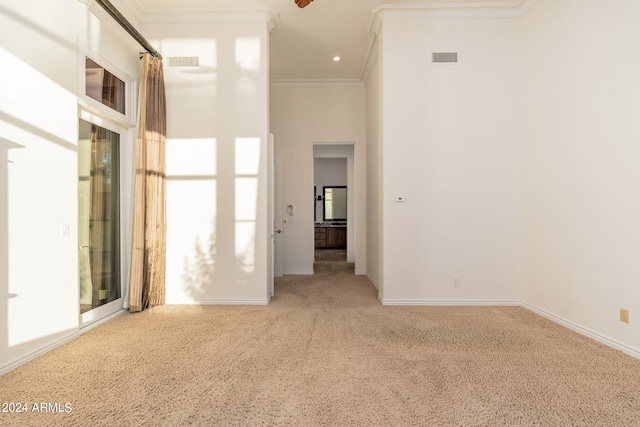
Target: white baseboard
{"x":449,"y":303}
{"x":583,"y":331}
{"x":557,"y":319}
{"x":373,"y":282}
{"x":31,"y":356}
{"x":298,"y":273}
{"x":55,"y":344}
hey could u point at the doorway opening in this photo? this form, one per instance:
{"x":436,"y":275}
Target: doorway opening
{"x":333,"y":201}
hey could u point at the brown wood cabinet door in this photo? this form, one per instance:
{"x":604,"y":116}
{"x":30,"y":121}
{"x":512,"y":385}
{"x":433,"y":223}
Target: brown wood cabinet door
{"x":320,"y":238}
{"x":337,"y":238}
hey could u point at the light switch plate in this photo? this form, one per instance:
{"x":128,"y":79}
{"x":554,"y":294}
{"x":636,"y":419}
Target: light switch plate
{"x":624,"y":315}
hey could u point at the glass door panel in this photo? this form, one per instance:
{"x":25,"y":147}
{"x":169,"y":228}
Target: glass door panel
{"x":98,"y":218}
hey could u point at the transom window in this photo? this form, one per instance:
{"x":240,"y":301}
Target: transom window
{"x":104,"y":87}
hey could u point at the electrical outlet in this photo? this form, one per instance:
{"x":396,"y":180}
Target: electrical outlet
{"x":456,"y":281}
{"x":624,"y":315}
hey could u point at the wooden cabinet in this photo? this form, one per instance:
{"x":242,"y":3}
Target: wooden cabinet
{"x":337,"y":238}
{"x":321,"y":237}
{"x":330,"y":237}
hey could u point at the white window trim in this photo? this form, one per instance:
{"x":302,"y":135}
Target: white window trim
{"x":128,"y":119}
{"x":127,"y":172}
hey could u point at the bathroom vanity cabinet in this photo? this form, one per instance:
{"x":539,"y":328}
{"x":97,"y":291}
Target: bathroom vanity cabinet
{"x":332,"y":237}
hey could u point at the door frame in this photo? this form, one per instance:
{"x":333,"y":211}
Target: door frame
{"x":278,"y":211}
{"x":126,"y":169}
{"x":353,"y":186}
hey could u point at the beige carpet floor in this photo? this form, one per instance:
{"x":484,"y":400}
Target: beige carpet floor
{"x":330,"y":255}
{"x":326,"y":353}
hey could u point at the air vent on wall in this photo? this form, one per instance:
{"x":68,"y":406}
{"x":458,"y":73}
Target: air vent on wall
{"x":183,"y":61}
{"x":445,"y":57}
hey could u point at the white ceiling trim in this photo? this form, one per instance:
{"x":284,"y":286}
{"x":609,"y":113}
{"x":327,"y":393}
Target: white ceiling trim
{"x":370,"y":58}
{"x":213,"y":15}
{"x":489,"y":10}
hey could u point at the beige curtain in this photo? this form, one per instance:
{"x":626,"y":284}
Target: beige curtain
{"x":148,"y":258}
{"x":102,"y":218}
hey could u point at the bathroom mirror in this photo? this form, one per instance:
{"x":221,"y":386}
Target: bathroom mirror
{"x":335,"y":203}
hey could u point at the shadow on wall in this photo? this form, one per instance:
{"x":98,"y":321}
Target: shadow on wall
{"x":203,"y":271}
{"x":199,"y":274}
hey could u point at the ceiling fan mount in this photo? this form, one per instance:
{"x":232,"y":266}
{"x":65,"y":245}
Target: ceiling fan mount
{"x":303,"y":3}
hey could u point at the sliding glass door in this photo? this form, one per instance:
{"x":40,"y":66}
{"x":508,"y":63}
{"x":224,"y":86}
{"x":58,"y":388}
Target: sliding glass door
{"x":98,"y":221}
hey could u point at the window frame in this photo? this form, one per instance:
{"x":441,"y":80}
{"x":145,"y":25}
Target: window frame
{"x":128,"y":118}
{"x":125,"y":137}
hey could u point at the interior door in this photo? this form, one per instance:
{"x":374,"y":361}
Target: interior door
{"x":271,"y":215}
{"x":278,"y":229}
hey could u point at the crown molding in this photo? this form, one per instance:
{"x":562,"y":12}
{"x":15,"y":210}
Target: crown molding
{"x":486,"y":10}
{"x":513,"y":9}
{"x":370,"y":59}
{"x":213,"y":15}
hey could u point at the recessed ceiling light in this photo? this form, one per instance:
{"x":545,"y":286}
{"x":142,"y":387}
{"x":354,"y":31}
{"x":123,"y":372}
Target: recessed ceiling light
{"x":336,"y":58}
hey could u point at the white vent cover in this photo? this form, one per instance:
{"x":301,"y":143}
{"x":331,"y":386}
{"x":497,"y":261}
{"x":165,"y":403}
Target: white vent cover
{"x":183,"y":61}
{"x":445,"y":57}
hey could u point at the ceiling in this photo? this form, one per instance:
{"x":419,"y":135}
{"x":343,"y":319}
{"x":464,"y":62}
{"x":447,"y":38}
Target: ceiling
{"x":303,"y":47}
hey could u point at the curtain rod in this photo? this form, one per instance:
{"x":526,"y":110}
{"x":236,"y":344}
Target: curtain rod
{"x":120,"y":19}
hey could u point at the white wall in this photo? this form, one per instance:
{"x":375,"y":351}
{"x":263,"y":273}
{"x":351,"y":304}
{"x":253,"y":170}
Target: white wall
{"x":373,"y":174}
{"x":40,"y":57}
{"x":217,"y":125}
{"x":301,"y":116}
{"x":451,"y":147}
{"x":581,"y":240}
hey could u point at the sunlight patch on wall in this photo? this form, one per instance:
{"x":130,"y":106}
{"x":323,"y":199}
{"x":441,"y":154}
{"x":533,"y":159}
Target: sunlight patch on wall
{"x":191,"y":157}
{"x":246,"y":198}
{"x":191,"y":218}
{"x":47,"y":141}
{"x":247,"y":156}
{"x":248,"y":53}
{"x":247,"y":163}
{"x":245,"y":207}
{"x":16,"y":98}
